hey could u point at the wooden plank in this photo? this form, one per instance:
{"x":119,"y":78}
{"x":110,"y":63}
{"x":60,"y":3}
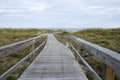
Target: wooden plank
{"x":107,"y":56}
{"x":55,"y":62}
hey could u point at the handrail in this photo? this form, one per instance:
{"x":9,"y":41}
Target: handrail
{"x":4,"y":75}
{"x":107,"y":56}
{"x":12,"y":48}
{"x":86,"y":64}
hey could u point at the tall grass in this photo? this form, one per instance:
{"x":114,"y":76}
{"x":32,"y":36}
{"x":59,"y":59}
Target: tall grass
{"x":8,"y":36}
{"x":109,"y":38}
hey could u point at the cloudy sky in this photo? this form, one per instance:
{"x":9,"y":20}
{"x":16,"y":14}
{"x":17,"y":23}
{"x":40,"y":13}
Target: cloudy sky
{"x":59,"y":13}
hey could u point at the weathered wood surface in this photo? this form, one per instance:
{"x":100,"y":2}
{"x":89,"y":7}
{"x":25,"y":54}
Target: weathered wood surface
{"x":55,"y":62}
{"x":109,"y":57}
{"x":12,"y":48}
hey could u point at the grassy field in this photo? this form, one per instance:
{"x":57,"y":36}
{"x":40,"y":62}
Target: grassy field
{"x":8,"y":36}
{"x":108,"y":38}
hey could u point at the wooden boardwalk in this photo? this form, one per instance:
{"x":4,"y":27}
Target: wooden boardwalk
{"x":55,"y":62}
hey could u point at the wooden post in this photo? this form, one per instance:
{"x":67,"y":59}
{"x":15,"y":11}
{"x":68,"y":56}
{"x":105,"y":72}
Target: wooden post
{"x":67,"y":44}
{"x":79,"y":51}
{"x":109,"y":74}
{"x":33,"y":47}
{"x":71,"y":48}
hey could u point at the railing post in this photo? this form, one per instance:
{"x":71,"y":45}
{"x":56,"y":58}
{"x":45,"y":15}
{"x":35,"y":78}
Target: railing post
{"x":71,"y":48}
{"x":108,"y":73}
{"x":67,"y":44}
{"x":79,"y":51}
{"x":33,"y":47}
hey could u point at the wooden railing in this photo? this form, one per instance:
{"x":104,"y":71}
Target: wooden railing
{"x":110,"y":58}
{"x":12,"y":48}
{"x":96,"y":76}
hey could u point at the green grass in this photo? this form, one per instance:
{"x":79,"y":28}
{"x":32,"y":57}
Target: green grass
{"x":108,"y":38}
{"x":8,"y":36}
{"x":10,"y":78}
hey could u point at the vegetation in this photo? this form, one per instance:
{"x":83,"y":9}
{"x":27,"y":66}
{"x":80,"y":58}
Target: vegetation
{"x":8,"y":36}
{"x":108,"y":38}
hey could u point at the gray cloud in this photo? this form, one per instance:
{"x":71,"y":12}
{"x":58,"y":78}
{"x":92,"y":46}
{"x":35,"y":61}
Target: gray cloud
{"x":54,"y":13}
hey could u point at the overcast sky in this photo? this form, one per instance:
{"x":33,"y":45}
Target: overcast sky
{"x":59,"y":13}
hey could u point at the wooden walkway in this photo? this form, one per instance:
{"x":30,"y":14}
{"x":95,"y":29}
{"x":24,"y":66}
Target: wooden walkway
{"x":55,"y":62}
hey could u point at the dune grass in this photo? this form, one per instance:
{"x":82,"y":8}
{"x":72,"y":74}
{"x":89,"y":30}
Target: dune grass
{"x":8,"y":36}
{"x":108,"y":38}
